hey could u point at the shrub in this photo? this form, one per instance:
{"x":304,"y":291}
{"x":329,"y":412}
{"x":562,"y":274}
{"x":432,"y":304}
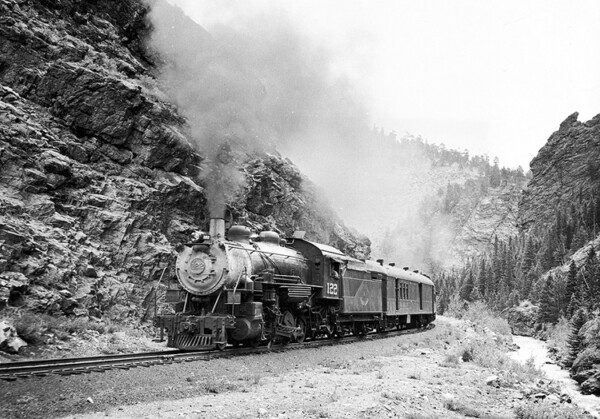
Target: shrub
{"x":456,"y":307}
{"x":30,"y":328}
{"x":547,"y":410}
{"x":252,"y":378}
{"x":451,"y":359}
{"x":483,"y":317}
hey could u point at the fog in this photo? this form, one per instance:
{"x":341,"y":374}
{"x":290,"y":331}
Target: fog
{"x":260,"y":84}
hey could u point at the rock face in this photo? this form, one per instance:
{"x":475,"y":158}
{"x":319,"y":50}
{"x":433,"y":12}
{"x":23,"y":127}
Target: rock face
{"x":98,"y":180}
{"x":567,"y":167}
{"x":494,"y":215}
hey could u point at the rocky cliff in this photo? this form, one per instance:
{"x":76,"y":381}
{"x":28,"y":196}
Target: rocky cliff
{"x":566,"y":170}
{"x":480,"y":221}
{"x":98,"y":177}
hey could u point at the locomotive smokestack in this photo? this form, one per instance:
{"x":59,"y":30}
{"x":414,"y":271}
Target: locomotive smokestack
{"x":217,"y":228}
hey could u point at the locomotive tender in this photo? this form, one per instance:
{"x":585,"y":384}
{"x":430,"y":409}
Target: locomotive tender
{"x":237,"y":290}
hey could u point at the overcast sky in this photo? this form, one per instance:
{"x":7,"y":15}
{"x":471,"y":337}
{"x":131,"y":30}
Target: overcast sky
{"x":495,"y":77}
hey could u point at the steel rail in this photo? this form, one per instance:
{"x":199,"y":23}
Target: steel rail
{"x":11,"y":371}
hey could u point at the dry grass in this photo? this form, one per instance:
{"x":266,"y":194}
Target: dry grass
{"x":251,"y":378}
{"x":37,"y":328}
{"x":335,"y":364}
{"x":218,"y":385}
{"x":460,"y":407}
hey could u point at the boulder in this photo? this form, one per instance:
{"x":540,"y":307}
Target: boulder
{"x":584,"y":365}
{"x":592,"y":384}
{"x":493,"y":380}
{"x":522,"y":319}
{"x":10,"y":342}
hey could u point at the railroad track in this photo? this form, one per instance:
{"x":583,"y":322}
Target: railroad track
{"x":67,"y":366}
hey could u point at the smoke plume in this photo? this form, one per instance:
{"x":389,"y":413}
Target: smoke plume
{"x":259,"y":84}
{"x":251,"y":90}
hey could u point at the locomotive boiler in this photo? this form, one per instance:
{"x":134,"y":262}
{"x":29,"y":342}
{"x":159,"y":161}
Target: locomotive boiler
{"x":241,"y":289}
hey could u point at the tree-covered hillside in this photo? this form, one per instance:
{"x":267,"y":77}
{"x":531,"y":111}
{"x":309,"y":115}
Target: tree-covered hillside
{"x":549,"y":273}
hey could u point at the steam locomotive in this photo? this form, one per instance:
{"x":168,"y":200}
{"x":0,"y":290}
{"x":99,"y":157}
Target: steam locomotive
{"x":242,"y":290}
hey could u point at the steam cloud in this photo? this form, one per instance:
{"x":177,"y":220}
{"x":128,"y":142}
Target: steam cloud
{"x":251,"y":90}
{"x":262,"y":85}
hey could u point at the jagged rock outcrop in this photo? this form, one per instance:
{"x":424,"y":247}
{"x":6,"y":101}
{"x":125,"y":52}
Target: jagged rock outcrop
{"x":98,"y":178}
{"x":566,"y":169}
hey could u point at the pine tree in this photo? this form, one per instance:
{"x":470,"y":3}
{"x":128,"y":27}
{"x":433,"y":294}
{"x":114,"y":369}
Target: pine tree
{"x":489,"y":285}
{"x":514,"y":299}
{"x":528,"y":272}
{"x":571,"y":285}
{"x":560,"y":292}
{"x":475,"y":294}
{"x":586,"y":279}
{"x":482,"y":278}
{"x":467,"y":287}
{"x":509,"y":265}
{"x":549,"y":248}
{"x":580,"y":238}
{"x":548,"y":304}
{"x":574,"y":305}
{"x":497,"y":268}
{"x":574,"y":340}
{"x":528,"y":256}
{"x":502,"y":298}
{"x":592,"y":271}
{"x":443,"y":297}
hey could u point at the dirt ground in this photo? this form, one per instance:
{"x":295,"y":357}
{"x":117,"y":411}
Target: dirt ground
{"x":412,"y":376}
